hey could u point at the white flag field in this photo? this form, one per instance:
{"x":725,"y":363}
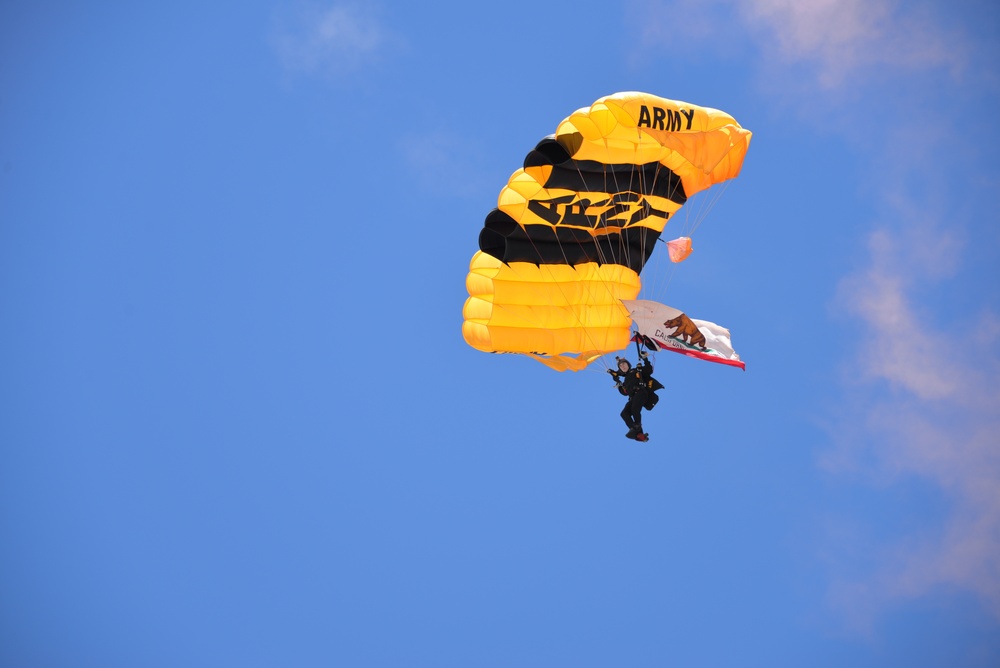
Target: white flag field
{"x":671,"y":329}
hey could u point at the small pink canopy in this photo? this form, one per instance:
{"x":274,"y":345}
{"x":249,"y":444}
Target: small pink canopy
{"x":679,"y":249}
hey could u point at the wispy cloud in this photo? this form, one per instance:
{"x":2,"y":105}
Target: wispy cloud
{"x":842,"y":37}
{"x":330,"y":40}
{"x":922,"y":398}
{"x":836,"y":39}
{"x":924,"y":392}
{"x":926,"y":407}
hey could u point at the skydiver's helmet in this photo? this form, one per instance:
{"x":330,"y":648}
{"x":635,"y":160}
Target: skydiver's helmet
{"x":623,"y":364}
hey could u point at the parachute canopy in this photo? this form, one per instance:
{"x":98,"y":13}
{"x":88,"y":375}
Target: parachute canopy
{"x":575,"y":225}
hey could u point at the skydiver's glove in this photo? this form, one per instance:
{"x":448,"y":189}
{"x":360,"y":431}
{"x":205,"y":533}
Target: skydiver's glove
{"x":643,"y":354}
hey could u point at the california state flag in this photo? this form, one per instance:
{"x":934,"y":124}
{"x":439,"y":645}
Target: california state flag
{"x":671,"y":329}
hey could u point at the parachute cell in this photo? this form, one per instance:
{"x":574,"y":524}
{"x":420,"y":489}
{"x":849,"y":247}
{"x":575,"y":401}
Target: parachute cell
{"x":575,"y":225}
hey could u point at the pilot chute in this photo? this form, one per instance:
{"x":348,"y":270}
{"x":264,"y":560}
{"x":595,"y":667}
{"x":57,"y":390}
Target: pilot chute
{"x":679,"y":249}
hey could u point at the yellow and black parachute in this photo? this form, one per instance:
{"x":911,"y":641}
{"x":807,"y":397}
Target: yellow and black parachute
{"x":574,"y":227}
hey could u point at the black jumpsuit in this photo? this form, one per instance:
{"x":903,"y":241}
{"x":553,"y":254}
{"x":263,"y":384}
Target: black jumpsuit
{"x":635,"y":385}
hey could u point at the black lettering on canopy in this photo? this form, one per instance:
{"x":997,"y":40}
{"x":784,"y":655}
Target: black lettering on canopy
{"x":620,"y":210}
{"x":658,"y":116}
{"x":665,"y":119}
{"x":574,"y":216}
{"x":509,"y":242}
{"x":568,"y":210}
{"x":675,"y":120}
{"x":644,"y":118}
{"x":591,"y":176}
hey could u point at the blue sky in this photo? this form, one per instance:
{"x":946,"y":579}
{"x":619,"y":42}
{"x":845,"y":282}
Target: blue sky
{"x":239,"y":424}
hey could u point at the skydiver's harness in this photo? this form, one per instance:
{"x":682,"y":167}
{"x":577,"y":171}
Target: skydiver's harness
{"x":633,"y":380}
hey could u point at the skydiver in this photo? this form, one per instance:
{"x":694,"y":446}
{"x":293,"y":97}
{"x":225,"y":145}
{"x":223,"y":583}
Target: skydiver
{"x":637,"y":384}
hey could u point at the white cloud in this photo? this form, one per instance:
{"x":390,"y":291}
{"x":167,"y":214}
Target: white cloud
{"x":926,"y":394}
{"x":844,"y":36}
{"x":939,"y":423}
{"x":836,"y":39}
{"x":330,"y":40}
{"x":901,"y":348}
{"x":922,"y":400}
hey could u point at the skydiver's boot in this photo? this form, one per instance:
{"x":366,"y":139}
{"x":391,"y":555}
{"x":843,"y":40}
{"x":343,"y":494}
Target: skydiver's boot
{"x":642,"y":437}
{"x":633,"y":432}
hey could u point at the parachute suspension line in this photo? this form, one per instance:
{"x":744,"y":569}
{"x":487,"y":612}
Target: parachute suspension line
{"x":694,"y":212}
{"x":661,"y":276}
{"x":666,"y":268}
{"x":602,"y":260}
{"x":625,"y":249}
{"x":647,"y":257}
{"x":626,"y":231}
{"x":653,"y":271}
{"x":621,"y":257}
{"x":651,"y":287}
{"x":616,"y":258}
{"x":713,"y":196}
